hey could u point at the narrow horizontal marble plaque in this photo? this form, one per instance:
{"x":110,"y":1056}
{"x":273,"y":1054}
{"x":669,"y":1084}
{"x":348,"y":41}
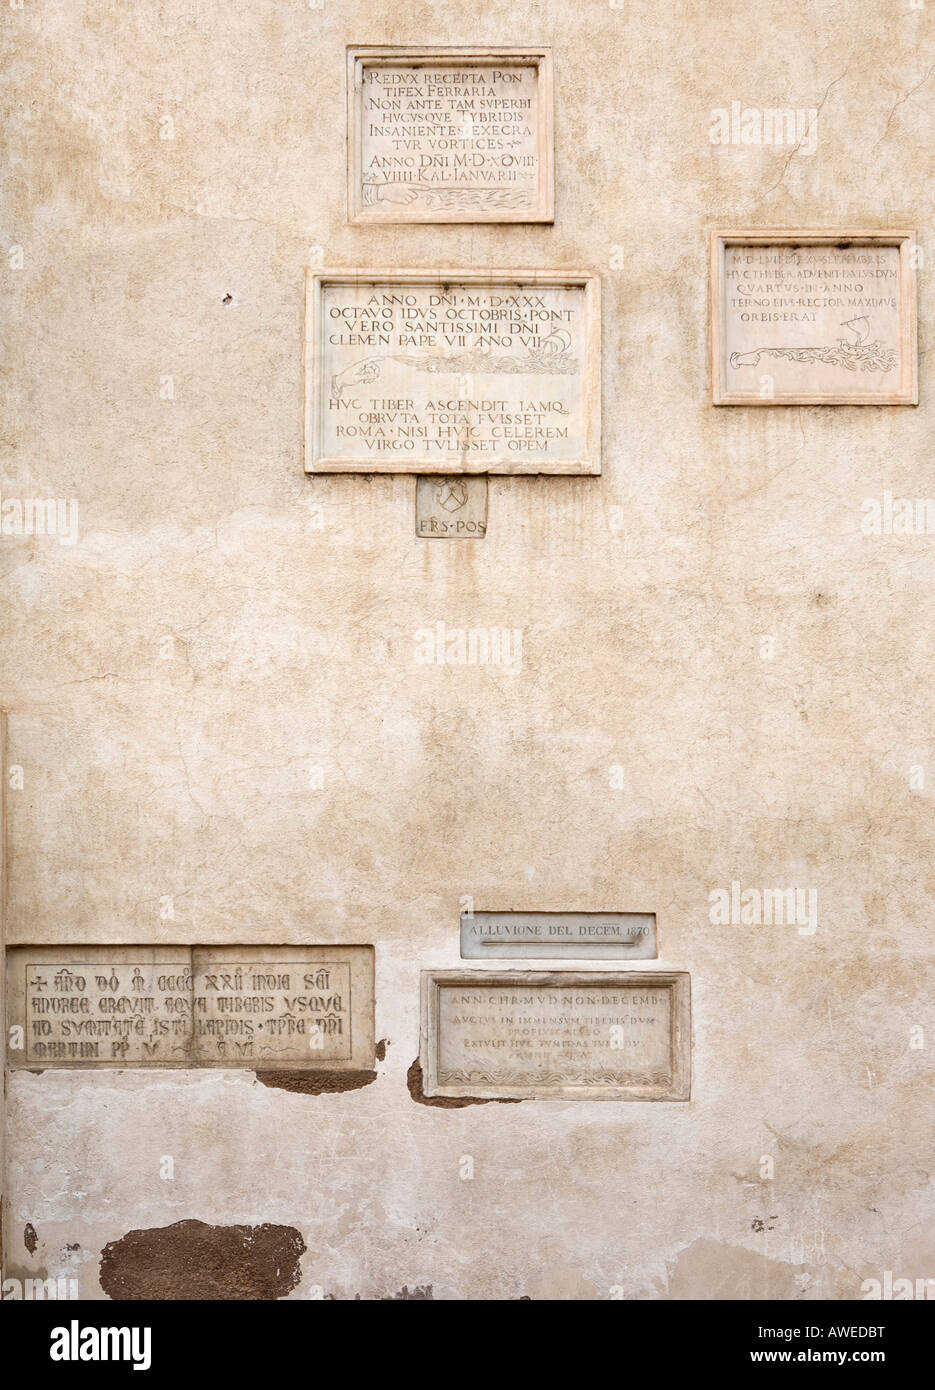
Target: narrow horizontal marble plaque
{"x":452,"y":372}
{"x":451,"y":508}
{"x":289,"y":1007}
{"x":449,"y":135}
{"x":561,"y":1033}
{"x":490,"y":935}
{"x":813,"y":318}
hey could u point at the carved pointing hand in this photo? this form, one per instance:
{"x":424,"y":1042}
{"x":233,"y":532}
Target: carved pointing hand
{"x":358,"y":374}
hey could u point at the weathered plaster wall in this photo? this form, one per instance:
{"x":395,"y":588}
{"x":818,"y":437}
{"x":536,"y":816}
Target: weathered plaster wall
{"x":180,"y":769}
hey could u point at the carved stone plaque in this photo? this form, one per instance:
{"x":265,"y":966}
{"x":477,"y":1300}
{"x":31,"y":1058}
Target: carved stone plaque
{"x":453,"y":371}
{"x":272,"y":1007}
{"x":491,"y":935}
{"x":451,"y":508}
{"x":566,"y":1034}
{"x":449,"y":135}
{"x":813,"y":318}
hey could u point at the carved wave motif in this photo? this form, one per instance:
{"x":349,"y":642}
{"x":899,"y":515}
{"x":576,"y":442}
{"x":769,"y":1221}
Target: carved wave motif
{"x":553,"y":1078}
{"x":872,"y":357}
{"x":452,"y":199}
{"x":448,"y":199}
{"x":537,"y":363}
{"x":542,"y":362}
{"x":858,"y":353}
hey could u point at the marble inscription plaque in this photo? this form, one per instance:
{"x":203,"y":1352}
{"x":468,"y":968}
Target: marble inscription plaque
{"x":491,"y":935}
{"x":100,"y":1007}
{"x":449,"y":135}
{"x":452,"y":372}
{"x":567,"y":1034}
{"x":813,"y":318}
{"x":274,"y":1007}
{"x":279,"y":1012}
{"x":451,"y":508}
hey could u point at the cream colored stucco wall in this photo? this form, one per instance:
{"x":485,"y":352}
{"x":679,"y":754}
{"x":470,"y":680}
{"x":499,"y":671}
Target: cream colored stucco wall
{"x":181,"y":770}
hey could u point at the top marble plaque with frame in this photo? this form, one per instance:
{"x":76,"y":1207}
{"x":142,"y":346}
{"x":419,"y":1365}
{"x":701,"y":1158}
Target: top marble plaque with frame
{"x":813,"y":317}
{"x":449,"y":134}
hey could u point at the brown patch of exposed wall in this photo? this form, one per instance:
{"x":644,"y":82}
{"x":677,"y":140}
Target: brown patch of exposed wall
{"x":316,"y":1083}
{"x":414,"y":1082}
{"x":30,"y":1239}
{"x":193,"y":1260}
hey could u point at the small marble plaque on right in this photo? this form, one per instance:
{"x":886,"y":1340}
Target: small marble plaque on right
{"x":813,"y":318}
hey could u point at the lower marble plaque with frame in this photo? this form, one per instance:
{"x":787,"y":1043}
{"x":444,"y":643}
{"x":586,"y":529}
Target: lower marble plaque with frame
{"x":556,"y":1034}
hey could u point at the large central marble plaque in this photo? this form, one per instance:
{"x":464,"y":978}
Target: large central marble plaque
{"x":454,"y":371}
{"x":567,"y":1034}
{"x":449,"y":135}
{"x":290,"y":1007}
{"x":813,"y":318}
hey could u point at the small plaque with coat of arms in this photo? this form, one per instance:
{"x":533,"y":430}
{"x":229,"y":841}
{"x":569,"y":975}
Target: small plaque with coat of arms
{"x":451,"y":508}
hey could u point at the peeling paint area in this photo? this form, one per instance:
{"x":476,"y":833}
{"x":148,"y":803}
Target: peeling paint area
{"x":414,"y":1083}
{"x":194,"y":1261}
{"x":316,"y":1083}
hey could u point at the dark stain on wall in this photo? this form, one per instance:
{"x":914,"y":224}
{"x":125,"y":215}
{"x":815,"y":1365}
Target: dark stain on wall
{"x":316,"y":1083}
{"x":380,"y":1049}
{"x":192,"y":1260}
{"x":30,"y":1239}
{"x":414,"y":1082}
{"x":418,"y":1291}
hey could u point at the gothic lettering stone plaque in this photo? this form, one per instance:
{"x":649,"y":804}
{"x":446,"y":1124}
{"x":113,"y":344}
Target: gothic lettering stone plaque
{"x":454,"y":371}
{"x":813,"y":318}
{"x":565,"y":1034}
{"x":449,"y":135}
{"x":489,"y":935}
{"x":289,"y":1007}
